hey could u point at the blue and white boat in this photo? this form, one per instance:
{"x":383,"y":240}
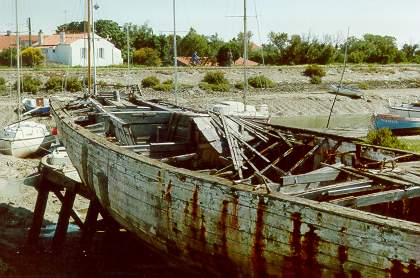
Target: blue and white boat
{"x":397,"y":124}
{"x":36,"y":107}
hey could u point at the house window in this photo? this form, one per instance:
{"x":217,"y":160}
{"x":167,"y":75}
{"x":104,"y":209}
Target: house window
{"x":83,"y":52}
{"x":101,"y":53}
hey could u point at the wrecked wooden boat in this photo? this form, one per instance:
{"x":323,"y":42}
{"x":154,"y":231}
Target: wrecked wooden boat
{"x":245,"y":198}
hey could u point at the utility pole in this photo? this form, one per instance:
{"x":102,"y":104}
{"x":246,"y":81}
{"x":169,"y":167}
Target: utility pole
{"x":245,"y":56}
{"x":89,"y":47}
{"x":30,"y":31}
{"x":18,"y":62}
{"x":175,"y":56}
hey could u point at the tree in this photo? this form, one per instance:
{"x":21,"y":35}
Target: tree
{"x":32,"y":56}
{"x":110,"y":30}
{"x":278,"y":39}
{"x":8,"y":57}
{"x":228,"y":53}
{"x":73,"y":27}
{"x":146,"y":56}
{"x":410,"y":51}
{"x":193,"y":42}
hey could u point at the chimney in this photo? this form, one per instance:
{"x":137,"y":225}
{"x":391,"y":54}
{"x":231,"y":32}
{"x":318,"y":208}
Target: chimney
{"x":8,"y":33}
{"x":40,"y":38}
{"x":62,"y":37}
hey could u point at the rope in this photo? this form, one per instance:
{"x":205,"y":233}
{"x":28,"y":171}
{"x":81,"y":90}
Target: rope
{"x":341,"y":79}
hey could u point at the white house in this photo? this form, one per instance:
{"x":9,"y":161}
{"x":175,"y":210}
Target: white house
{"x":71,"y":49}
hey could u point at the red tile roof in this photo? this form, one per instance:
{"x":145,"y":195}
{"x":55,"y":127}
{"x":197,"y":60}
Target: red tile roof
{"x":205,"y":61}
{"x":240,"y":62}
{"x":7,"y":41}
{"x":53,"y":40}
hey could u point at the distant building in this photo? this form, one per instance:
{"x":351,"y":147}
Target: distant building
{"x":71,"y":49}
{"x":187,"y":61}
{"x":9,"y":41}
{"x":240,"y":62}
{"x":67,"y":49}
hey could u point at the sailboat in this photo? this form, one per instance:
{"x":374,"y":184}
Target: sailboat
{"x":23,"y":138}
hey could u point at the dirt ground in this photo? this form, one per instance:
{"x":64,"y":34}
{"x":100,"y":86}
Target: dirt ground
{"x":122,"y":255}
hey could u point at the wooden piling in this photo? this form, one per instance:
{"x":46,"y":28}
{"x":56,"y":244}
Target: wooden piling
{"x":89,"y":227}
{"x":63,"y":219}
{"x":39,"y":211}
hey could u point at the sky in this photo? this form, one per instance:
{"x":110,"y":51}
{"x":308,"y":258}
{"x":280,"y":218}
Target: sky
{"x":400,"y":19}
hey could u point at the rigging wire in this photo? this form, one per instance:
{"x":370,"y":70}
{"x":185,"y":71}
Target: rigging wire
{"x":342,"y":76}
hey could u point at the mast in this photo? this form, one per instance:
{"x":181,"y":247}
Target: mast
{"x":18,"y":62}
{"x":95,"y":7}
{"x":89,"y":42}
{"x":175,"y":57}
{"x":128,"y":55}
{"x":245,"y":56}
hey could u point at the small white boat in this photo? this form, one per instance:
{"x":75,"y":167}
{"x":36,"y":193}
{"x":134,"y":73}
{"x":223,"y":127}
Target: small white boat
{"x":36,"y":107}
{"x":411,"y":110}
{"x":24,"y":139}
{"x":238,"y":109}
{"x":59,"y":160}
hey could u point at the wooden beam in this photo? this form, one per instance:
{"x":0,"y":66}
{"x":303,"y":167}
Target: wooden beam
{"x":322,"y":191}
{"x":379,"y":197}
{"x":39,"y":211}
{"x":73,"y":213}
{"x":63,"y":219}
{"x":319,"y":175}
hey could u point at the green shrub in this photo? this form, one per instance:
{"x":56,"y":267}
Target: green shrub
{"x":2,"y":85}
{"x":149,"y":82}
{"x":164,"y":87}
{"x":74,"y":84}
{"x":315,"y":80}
{"x":363,"y":86}
{"x":55,"y":84}
{"x":314,"y":70}
{"x":240,"y":85}
{"x":30,"y":84}
{"x":215,"y":77}
{"x":223,"y":87}
{"x":146,"y":56}
{"x":260,"y":81}
{"x":32,"y":56}
{"x":168,"y":81}
{"x":384,"y":137}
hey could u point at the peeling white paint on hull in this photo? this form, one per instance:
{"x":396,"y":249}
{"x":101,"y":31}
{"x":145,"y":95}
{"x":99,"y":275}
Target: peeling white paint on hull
{"x":230,"y":228}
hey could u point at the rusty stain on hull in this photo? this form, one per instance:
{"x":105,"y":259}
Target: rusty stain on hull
{"x":258,"y":260}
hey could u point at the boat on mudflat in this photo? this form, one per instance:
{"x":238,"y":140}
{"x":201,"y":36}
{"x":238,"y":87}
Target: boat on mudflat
{"x":24,"y":139}
{"x":345,"y":91}
{"x":407,"y":110}
{"x":397,"y":124}
{"x":36,"y":107}
{"x":245,"y":198}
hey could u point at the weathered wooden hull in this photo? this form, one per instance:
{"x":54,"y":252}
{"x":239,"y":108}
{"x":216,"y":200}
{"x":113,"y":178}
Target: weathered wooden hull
{"x":210,"y":222}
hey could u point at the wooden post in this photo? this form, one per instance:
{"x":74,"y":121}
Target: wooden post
{"x":39,"y":211}
{"x":63,"y":219}
{"x":89,"y":226}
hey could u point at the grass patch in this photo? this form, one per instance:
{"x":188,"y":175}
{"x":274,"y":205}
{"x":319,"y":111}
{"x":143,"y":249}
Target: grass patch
{"x":412,"y":144}
{"x":314,"y":70}
{"x":260,"y":81}
{"x":384,"y":137}
{"x":214,"y":87}
{"x":363,"y":86}
{"x":150,"y":82}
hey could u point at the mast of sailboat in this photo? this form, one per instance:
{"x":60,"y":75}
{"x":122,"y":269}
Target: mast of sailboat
{"x":128,"y":55}
{"x":18,"y":63}
{"x":245,"y":56}
{"x":89,"y":42}
{"x":175,"y":56}
{"x":95,"y":7}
